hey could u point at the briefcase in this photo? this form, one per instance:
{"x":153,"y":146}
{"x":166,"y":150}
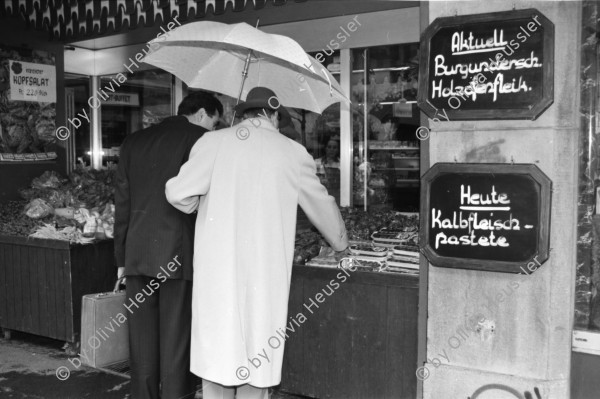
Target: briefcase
{"x":104,"y":328}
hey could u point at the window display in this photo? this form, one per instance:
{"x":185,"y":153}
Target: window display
{"x":386,"y":169}
{"x":320,"y":134}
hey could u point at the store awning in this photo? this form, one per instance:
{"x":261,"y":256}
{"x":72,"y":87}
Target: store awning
{"x":70,"y":20}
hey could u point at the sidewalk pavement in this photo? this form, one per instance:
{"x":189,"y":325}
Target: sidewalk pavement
{"x":30,"y":367}
{"x":38,"y":368}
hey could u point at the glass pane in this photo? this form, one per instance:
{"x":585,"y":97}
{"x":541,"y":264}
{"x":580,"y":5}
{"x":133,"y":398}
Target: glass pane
{"x":141,"y":101}
{"x":386,"y":170}
{"x":80,"y":86}
{"x":587,"y":298}
{"x":321,"y":133}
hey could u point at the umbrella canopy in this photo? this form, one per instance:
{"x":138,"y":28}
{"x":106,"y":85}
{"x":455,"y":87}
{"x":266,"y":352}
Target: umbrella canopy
{"x":212,"y":56}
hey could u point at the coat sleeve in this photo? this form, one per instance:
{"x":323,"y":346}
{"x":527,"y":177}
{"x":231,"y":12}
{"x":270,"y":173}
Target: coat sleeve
{"x":122,"y":206}
{"x":193,"y":180}
{"x":319,"y":206}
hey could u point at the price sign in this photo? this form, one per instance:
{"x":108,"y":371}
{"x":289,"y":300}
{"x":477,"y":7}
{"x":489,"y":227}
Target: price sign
{"x":493,"y":217}
{"x":488,"y":66}
{"x":32,"y":82}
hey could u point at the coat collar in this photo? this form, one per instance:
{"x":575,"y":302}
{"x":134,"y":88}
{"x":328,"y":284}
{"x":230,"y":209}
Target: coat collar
{"x":257,"y":122}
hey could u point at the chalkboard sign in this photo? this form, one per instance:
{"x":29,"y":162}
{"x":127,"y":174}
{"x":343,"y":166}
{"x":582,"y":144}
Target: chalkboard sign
{"x":493,"y":217}
{"x":487,"y":66}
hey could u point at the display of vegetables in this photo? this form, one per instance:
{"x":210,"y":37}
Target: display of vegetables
{"x":38,"y":208}
{"x":54,"y":206}
{"x":14,"y":222}
{"x":93,"y":188}
{"x":71,"y":234}
{"x":87,"y":188}
{"x":59,"y":208}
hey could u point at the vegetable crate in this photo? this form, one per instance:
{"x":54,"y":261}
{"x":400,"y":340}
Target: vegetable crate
{"x":42,"y":283}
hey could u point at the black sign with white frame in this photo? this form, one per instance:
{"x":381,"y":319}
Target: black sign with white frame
{"x":492,"y":217}
{"x":487,"y":66}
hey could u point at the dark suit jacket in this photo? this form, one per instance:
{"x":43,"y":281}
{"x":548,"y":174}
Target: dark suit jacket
{"x":149,"y":232}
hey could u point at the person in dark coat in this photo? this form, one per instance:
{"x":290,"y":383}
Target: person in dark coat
{"x":154,"y":249}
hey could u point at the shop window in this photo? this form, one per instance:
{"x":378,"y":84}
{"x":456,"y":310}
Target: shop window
{"x":320,"y":133}
{"x":143,"y":100}
{"x":385,"y":118}
{"x":387,"y":151}
{"x":587,"y":285}
{"x":77,"y":88}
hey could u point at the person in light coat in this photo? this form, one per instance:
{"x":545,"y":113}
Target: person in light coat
{"x":246,"y":183}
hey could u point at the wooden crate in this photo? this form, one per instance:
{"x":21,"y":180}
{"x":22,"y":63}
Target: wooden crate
{"x":42,"y":282}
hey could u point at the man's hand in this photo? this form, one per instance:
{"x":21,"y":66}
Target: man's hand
{"x":121,"y":273}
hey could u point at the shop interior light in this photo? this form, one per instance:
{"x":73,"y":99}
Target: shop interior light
{"x":385,"y":69}
{"x":396,"y":102}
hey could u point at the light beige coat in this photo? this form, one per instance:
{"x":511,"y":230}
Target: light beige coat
{"x":246,"y":183}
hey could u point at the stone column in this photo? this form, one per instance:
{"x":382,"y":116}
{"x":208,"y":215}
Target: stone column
{"x":525,"y":342}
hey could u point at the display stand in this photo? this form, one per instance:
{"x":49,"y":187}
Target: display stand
{"x":358,"y":342}
{"x":42,"y":282}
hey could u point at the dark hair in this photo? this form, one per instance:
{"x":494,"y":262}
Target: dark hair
{"x":200,"y":99}
{"x":256,"y":112}
{"x":337,"y":157}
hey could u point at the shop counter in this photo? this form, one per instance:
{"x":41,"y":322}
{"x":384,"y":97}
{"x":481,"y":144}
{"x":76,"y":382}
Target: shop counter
{"x":358,"y":338}
{"x":42,"y":282}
